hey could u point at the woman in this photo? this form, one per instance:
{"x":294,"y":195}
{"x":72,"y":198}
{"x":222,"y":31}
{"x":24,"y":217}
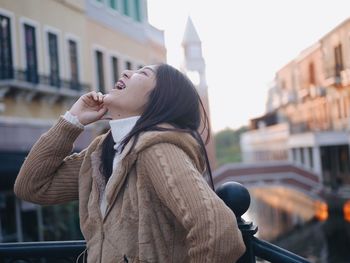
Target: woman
{"x":142,"y":196}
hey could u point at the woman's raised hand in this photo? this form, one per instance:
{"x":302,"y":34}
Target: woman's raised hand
{"x":89,"y":107}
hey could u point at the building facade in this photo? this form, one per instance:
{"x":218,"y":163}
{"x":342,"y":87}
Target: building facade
{"x":52,"y":52}
{"x":309,"y":104}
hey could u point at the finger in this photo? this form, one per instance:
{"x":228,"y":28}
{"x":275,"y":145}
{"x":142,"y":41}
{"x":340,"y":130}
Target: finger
{"x":91,"y":95}
{"x":100,"y":97}
{"x":88,"y":95}
{"x":94,"y":95}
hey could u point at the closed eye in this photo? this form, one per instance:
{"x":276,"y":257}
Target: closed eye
{"x":144,"y":73}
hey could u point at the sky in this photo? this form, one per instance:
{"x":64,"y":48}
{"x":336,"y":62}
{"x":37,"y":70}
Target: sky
{"x":244,"y":44}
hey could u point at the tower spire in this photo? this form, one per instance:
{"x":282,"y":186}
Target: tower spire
{"x":194,"y":63}
{"x":190,"y":35}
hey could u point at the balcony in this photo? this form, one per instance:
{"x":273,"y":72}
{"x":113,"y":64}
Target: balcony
{"x":345,"y":77}
{"x":299,"y":127}
{"x":336,"y":77}
{"x":303,"y":94}
{"x":288,"y":97}
{"x":317,"y":91}
{"x":311,"y":92}
{"x":335,"y":81}
{"x":30,"y":85}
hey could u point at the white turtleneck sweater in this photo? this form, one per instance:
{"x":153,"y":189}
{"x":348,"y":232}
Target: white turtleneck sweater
{"x":119,"y":128}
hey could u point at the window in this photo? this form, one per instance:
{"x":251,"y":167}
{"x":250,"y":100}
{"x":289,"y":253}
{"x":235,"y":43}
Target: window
{"x":338,"y":108}
{"x":344,"y":159}
{"x":31,"y":54}
{"x":99,"y":70}
{"x":61,"y":222}
{"x":294,"y":154}
{"x":338,"y":57}
{"x":311,"y":74}
{"x":54,"y":62}
{"x":311,"y":157}
{"x":283,"y":84}
{"x":302,"y":159}
{"x":126,"y":10}
{"x":9,"y":231}
{"x":335,"y":162}
{"x":346,"y":106}
{"x":115,"y":70}
{"x":137,"y":10}
{"x":128,"y":65}
{"x":6,"y":66}
{"x":74,"y":66}
{"x":113,"y":4}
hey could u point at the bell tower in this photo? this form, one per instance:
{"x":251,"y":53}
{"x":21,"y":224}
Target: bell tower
{"x":194,"y":67}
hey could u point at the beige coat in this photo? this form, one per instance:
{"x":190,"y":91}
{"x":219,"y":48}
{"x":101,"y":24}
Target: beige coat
{"x":160,"y":209}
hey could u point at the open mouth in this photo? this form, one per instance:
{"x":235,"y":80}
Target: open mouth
{"x":120,"y":85}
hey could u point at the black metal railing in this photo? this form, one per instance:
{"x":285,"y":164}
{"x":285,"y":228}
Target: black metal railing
{"x":237,"y":197}
{"x":34,"y":78}
{"x":300,"y":127}
{"x":41,"y":252}
{"x":233,"y":194}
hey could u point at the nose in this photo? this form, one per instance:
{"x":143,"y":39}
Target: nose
{"x":127,"y":74}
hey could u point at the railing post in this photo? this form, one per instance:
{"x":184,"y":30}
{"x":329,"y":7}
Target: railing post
{"x":237,"y":197}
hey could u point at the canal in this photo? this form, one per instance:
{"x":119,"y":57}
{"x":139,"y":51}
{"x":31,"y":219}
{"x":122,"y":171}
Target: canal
{"x":325,"y":241}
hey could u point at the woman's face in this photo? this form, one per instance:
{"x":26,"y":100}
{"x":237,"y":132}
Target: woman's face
{"x":130,"y":94}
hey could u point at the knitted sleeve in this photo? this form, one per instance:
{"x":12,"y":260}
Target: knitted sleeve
{"x":213,"y":234}
{"x":49,"y":174}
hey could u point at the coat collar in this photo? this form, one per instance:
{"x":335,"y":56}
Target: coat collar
{"x":147,"y":139}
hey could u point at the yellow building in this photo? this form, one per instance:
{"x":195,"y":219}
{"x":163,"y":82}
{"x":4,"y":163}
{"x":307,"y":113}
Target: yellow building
{"x":51,"y":52}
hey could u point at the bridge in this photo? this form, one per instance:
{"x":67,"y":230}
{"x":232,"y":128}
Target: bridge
{"x":272,"y":174}
{"x":282,"y":185}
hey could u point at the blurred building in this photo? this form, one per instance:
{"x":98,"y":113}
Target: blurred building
{"x":51,"y":52}
{"x":194,"y":67}
{"x":119,"y":38}
{"x":307,"y":113}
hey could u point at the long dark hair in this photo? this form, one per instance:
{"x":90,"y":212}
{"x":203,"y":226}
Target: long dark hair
{"x":174,"y":100}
